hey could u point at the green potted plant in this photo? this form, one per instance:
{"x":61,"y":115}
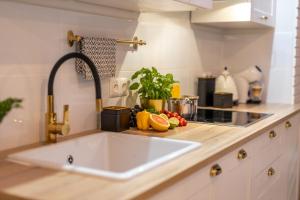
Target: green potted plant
{"x":153,"y":88}
{"x":8,"y":104}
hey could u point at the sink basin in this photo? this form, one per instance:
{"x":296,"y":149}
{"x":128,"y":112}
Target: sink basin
{"x":106,"y":154}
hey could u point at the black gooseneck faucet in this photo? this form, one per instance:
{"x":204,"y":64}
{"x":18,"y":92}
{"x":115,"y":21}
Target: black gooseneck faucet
{"x":54,"y":128}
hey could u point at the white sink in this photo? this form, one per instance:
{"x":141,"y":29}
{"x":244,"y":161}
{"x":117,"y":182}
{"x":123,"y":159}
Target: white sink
{"x":107,"y":154}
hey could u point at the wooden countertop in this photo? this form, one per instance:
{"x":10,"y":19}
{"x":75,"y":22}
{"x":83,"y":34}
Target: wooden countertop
{"x":27,"y":182}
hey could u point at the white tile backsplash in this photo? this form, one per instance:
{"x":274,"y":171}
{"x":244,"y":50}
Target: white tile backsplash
{"x":33,"y":38}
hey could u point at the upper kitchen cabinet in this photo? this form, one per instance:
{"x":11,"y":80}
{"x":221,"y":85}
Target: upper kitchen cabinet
{"x":128,"y":9}
{"x":237,"y":14}
{"x":198,"y":3}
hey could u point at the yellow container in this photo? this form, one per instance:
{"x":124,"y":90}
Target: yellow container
{"x":157,"y":104}
{"x":176,"y":90}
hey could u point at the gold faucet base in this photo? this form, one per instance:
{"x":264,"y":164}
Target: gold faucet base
{"x":51,"y":138}
{"x":52,"y":127}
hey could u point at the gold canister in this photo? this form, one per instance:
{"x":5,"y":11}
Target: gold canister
{"x":176,"y":90}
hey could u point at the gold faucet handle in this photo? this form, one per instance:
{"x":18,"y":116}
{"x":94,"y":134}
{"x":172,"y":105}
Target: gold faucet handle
{"x":65,"y":127}
{"x":66,"y":114}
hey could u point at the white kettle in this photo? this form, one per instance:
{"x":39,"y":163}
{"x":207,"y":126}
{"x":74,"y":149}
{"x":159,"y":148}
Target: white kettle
{"x":225,"y":83}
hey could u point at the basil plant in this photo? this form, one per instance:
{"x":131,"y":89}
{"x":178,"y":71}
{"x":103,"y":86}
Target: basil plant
{"x":150,"y":84}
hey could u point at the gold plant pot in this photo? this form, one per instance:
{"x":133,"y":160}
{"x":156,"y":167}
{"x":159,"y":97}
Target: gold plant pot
{"x":157,"y":104}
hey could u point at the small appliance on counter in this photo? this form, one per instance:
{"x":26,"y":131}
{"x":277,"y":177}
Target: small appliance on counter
{"x":255,"y":93}
{"x":226,"y":84}
{"x":206,"y":89}
{"x":223,"y":100}
{"x":115,"y":118}
{"x":185,"y":106}
{"x":244,"y":80}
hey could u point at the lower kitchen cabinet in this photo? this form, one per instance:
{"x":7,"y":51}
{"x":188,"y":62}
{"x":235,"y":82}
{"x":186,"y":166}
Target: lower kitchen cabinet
{"x":196,"y":186}
{"x":203,"y":194}
{"x":234,"y":181}
{"x":266,"y":168}
{"x":291,"y":157}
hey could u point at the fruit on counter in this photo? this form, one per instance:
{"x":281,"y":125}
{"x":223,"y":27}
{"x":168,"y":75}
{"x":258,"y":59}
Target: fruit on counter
{"x":182,"y":121}
{"x":133,"y":112}
{"x":174,"y":122}
{"x":164,"y":116}
{"x":158,"y":123}
{"x":142,"y":120}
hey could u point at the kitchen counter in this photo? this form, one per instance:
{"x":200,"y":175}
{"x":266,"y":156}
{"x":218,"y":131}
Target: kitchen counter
{"x":27,"y":182}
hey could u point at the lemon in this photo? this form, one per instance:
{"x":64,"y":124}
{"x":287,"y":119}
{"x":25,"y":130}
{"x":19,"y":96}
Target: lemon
{"x":174,"y":122}
{"x":164,"y":116}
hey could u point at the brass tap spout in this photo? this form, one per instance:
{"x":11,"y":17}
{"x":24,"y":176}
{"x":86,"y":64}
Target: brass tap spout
{"x":54,"y":128}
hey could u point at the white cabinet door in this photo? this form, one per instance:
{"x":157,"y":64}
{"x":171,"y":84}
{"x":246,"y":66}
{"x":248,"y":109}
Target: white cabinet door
{"x":128,"y":9}
{"x":234,"y":182}
{"x":262,"y":184}
{"x":291,"y":156}
{"x":203,"y":194}
{"x":198,"y":3}
{"x":264,"y":11}
{"x":196,"y":186}
{"x":202,"y":3}
{"x":274,"y":192}
{"x":238,"y":14}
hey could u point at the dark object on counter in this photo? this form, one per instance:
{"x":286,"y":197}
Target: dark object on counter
{"x":223,"y":100}
{"x":253,"y":101}
{"x":115,"y":118}
{"x":133,"y":112}
{"x":206,"y":89}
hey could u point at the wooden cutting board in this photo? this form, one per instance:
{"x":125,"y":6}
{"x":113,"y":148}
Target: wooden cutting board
{"x":170,"y":132}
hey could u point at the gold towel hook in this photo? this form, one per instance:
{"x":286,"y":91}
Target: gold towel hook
{"x":135,"y":42}
{"x":72,"y":38}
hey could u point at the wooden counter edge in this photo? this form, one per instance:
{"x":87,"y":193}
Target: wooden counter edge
{"x":142,"y":194}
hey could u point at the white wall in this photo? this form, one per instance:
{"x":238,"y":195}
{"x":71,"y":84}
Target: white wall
{"x":33,"y":38}
{"x":244,"y":48}
{"x":274,"y":50}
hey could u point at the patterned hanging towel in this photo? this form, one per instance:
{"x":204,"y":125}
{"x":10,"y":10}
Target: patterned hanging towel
{"x":102,"y":51}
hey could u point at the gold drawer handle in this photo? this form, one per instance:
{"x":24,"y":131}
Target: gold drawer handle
{"x":215,"y":170}
{"x":272,"y":134}
{"x":288,"y":124}
{"x":242,"y":154}
{"x":264,"y":17}
{"x":271,"y":171}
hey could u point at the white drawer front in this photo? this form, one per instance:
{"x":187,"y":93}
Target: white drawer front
{"x":291,"y":134}
{"x":267,"y":148}
{"x":187,"y":186}
{"x":264,"y":180}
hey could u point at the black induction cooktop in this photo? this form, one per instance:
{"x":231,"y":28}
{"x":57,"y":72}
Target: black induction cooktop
{"x":226,"y":117}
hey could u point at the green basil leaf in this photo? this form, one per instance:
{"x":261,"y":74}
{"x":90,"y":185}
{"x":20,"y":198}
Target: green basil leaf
{"x":134,"y":86}
{"x":135,"y":75}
